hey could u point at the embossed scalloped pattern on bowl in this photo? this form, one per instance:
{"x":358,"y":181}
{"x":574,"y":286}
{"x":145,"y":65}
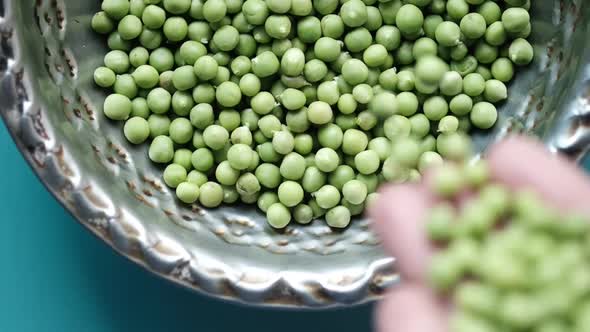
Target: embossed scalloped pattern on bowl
{"x":47,"y":55}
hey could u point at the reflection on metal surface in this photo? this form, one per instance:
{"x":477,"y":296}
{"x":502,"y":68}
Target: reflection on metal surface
{"x":47,"y":58}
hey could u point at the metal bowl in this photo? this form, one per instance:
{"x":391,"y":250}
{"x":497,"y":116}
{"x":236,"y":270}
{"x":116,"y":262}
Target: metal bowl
{"x":47,"y":57}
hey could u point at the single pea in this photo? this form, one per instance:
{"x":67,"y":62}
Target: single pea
{"x":315,"y":70}
{"x":354,"y":13}
{"x":431,"y":69}
{"x":151,"y":39}
{"x":226,"y":38}
{"x":102,"y":23}
{"x":174,"y":175}
{"x":328,"y":92}
{"x":206,"y":68}
{"x":389,"y":36}
{"x":330,"y":136}
{"x":181,"y":130}
{"x":496,"y":34}
{"x":263,"y":103}
{"x":202,"y":159}
{"x":473,"y":25}
{"x":277,"y":215}
{"x":461,"y":104}
{"x":419,"y":125}
{"x":355,"y":192}
{"x":292,"y":99}
{"x":176,"y":28}
{"x":214,"y":10}
{"x":188,"y":192}
{"x":301,"y":7}
{"x":355,"y":71}
{"x":327,"y":49}
{"x":250,"y":85}
{"x":136,"y":130}
{"x":241,"y":135}
{"x":473,"y":84}
{"x":521,"y":52}
{"x":319,"y":113}
{"x":367,"y":162}
{"x":265,"y":64}
{"x":332,"y":26}
{"x":116,"y":9}
{"x":429,"y":160}
{"x":117,"y":61}
{"x":278,"y":26}
{"x":435,"y":108}
{"x":363,"y":94}
{"x":303,"y":214}
{"x":409,"y":19}
{"x":384,"y":104}
{"x":515,"y":19}
{"x":229,"y":119}
{"x":159,"y":100}
{"x":266,"y":200}
{"x":484,"y":115}
{"x":104,"y":77}
{"x":211,"y":195}
{"x":495,"y":91}
{"x":202,"y":116}
{"x":327,"y":196}
{"x":140,"y":108}
{"x":117,"y":107}
{"x":354,"y":141}
{"x":125,"y":85}
{"x":290,"y":193}
{"x":239,"y":156}
{"x":457,"y":9}
{"x":458,"y":52}
{"x":406,"y":80}
{"x":297,"y":121}
{"x":451,"y":84}
{"x":283,"y":142}
{"x":228,"y":94}
{"x":448,"y":34}
{"x":248,"y":185}
{"x":293,"y":166}
{"x":183,"y":157}
{"x":215,"y":137}
{"x":503,"y":70}
{"x":341,"y":175}
{"x":129,"y":27}
{"x":404,"y":55}
{"x":309,"y":29}
{"x":327,"y":160}
{"x":269,"y":125}
{"x":338,"y":217}
{"x":448,"y":124}
{"x":381,"y":146}
{"x":161,"y":150}
{"x":303,"y":144}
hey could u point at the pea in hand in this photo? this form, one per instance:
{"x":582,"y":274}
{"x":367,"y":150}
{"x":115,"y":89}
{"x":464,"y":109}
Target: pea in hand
{"x":400,"y":218}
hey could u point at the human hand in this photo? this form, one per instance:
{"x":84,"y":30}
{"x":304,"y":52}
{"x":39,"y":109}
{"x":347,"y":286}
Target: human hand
{"x":399,"y":216}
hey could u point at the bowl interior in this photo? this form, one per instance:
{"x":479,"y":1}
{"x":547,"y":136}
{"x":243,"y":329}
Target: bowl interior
{"x":112,"y":187}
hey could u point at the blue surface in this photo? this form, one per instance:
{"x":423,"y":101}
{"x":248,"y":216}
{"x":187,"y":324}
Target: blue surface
{"x":56,"y":276}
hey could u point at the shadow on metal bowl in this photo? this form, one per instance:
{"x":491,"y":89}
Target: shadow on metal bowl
{"x":48,"y":100}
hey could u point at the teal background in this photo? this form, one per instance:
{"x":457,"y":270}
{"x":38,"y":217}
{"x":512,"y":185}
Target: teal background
{"x":56,"y":276}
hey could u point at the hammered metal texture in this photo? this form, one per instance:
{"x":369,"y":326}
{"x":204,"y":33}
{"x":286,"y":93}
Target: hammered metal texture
{"x":53,"y":110}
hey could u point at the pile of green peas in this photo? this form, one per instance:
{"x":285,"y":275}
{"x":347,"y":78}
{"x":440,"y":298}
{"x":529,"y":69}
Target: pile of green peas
{"x":305,"y":106}
{"x":509,"y":262}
